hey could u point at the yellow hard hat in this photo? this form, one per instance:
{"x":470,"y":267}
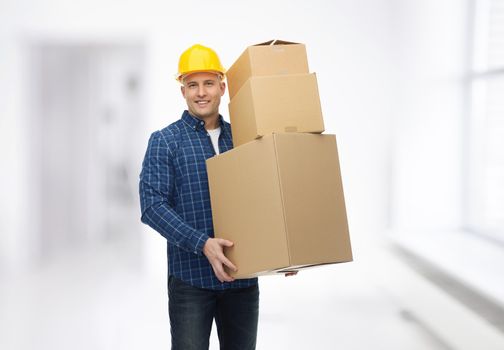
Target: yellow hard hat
{"x":199,"y":58}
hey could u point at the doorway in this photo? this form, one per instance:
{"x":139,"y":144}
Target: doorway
{"x":85,"y":128}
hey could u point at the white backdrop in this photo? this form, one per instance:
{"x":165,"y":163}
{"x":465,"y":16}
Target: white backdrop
{"x":389,"y":74}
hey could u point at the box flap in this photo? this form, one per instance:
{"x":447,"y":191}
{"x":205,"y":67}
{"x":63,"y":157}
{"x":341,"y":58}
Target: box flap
{"x":276,"y":42}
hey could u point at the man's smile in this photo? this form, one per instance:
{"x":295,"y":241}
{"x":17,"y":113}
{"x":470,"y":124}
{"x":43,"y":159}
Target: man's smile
{"x":202,"y":103}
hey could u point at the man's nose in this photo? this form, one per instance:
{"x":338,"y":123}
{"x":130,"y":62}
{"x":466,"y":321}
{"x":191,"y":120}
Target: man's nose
{"x":201,"y":90}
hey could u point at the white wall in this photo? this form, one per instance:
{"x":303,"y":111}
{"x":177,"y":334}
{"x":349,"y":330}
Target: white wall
{"x":349,"y":47}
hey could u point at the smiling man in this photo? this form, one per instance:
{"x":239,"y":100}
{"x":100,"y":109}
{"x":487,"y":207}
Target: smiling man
{"x":175,"y":201}
{"x":202,"y":91}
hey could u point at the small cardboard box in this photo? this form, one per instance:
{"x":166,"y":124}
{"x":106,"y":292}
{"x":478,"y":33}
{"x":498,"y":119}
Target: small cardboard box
{"x":278,"y":103}
{"x":280,"y":200}
{"x":273,"y":57}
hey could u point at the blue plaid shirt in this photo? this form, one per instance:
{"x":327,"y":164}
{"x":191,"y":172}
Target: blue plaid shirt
{"x":175,"y":198}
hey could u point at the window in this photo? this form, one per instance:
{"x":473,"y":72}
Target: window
{"x":485,"y":162}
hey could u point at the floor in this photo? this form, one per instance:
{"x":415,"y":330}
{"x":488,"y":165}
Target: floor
{"x":114,"y":297}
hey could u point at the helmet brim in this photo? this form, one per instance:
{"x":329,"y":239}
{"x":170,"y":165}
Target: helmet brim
{"x":181,"y":76}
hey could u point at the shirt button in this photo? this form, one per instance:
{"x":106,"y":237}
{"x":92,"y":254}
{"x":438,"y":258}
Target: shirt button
{"x":201,"y":123}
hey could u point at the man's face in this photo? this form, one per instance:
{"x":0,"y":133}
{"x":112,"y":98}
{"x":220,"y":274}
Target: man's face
{"x":202,"y":92}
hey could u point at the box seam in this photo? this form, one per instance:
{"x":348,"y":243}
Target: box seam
{"x":254,"y":109}
{"x":286,"y":229}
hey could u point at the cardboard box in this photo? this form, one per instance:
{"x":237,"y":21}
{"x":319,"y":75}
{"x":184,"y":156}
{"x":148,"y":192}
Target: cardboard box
{"x":270,"y":58}
{"x":280,"y":200}
{"x":279,"y":103}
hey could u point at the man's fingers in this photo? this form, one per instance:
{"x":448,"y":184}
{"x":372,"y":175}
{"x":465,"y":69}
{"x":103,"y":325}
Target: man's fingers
{"x":225,"y":242}
{"x":222,"y":275}
{"x":226,"y":278}
{"x":223,"y":258}
{"x":228,"y":263}
{"x":214,"y":251}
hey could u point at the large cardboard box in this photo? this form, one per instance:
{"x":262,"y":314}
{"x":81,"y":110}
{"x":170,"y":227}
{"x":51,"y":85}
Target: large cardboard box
{"x":280,"y":200}
{"x":270,"y":58}
{"x":279,"y":103}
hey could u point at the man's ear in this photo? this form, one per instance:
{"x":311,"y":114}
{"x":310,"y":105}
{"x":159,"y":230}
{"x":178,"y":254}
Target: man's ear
{"x":182,"y":90}
{"x":223,"y":87}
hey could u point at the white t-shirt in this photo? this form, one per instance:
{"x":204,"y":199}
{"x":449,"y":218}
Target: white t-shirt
{"x":214,"y":136}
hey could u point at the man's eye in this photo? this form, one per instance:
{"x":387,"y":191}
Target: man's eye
{"x":209,"y":83}
{"x":191,"y":86}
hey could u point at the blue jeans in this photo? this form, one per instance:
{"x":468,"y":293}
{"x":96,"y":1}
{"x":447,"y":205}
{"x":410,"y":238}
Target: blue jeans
{"x":192,"y":311}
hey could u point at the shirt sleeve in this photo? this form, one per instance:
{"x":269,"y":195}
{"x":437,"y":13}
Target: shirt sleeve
{"x":157,"y":186}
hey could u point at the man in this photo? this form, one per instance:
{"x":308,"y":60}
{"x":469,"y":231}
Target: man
{"x":175,"y":202}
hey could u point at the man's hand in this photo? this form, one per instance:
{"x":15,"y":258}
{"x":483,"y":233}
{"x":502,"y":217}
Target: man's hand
{"x":214,"y":251}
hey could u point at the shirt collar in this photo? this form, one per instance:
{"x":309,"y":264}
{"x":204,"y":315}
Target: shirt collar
{"x":196,"y":123}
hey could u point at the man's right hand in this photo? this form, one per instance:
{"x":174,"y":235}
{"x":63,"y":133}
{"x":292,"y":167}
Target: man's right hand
{"x":214,"y":251}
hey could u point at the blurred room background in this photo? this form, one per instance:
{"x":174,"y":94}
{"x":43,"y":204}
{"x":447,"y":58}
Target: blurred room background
{"x":413,"y":90}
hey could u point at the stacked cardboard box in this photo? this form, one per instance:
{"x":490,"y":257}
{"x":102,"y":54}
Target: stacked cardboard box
{"x":278,"y":194}
{"x":271,"y":90}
